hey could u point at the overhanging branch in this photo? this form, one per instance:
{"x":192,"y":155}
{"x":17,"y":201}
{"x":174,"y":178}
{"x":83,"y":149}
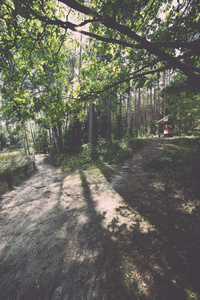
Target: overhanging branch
{"x":69,"y":25}
{"x":149,"y":46}
{"x":134,"y":76}
{"x":137,"y":41}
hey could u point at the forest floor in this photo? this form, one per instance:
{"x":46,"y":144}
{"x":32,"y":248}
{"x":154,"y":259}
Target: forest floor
{"x":100,"y":234}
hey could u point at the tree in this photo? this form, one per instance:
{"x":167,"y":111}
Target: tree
{"x":130,"y":43}
{"x":37,"y":77}
{"x":183,"y":103}
{"x":137,"y":26}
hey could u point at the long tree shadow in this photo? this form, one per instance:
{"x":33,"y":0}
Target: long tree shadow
{"x":48,"y":246}
{"x":54,"y":245}
{"x":160,"y":246}
{"x":107,"y":265}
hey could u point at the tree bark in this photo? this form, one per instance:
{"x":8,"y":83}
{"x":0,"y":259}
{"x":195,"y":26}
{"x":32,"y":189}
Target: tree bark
{"x":55,"y":137}
{"x":91,"y":124}
{"x":118,"y":120}
{"x":108,"y":130}
{"x":60,"y":139}
{"x":32,"y":134}
{"x":26,"y":140}
{"x":128,"y":115}
{"x":138,"y":113}
{"x":39,"y":148}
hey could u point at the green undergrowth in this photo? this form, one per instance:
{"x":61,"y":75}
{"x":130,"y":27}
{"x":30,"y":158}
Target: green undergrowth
{"x":181,"y":156}
{"x":111,"y":153}
{"x":10,"y":160}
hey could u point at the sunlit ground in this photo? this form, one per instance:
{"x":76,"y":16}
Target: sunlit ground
{"x":82,"y":235}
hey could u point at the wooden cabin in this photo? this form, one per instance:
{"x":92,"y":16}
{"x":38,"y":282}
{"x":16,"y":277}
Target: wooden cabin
{"x":168,"y":126}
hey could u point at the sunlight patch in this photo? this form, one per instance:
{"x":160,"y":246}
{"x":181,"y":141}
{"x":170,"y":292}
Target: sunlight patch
{"x":190,"y":206}
{"x":158,"y":186}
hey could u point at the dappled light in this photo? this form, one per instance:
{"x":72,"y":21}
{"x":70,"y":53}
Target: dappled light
{"x":99,"y":150}
{"x":92,"y":234}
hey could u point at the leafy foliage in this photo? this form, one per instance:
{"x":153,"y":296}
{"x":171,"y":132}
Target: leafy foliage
{"x":113,"y":152}
{"x":49,"y":75}
{"x":183,"y":102}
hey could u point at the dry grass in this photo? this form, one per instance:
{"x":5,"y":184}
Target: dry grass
{"x":9,"y":155}
{"x":9,"y":160}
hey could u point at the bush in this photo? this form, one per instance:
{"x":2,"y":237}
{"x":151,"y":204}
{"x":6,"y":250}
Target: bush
{"x":117,"y":151}
{"x":110,"y":152}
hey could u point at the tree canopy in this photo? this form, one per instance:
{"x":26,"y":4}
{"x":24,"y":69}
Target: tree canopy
{"x":156,"y":35}
{"x":60,"y":58}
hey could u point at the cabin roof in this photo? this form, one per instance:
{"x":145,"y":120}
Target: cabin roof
{"x":166,"y":119}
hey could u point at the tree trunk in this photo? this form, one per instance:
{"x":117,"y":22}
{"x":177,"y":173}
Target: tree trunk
{"x":147,"y":113}
{"x":80,"y":54}
{"x":158,"y":100}
{"x":25,"y":149}
{"x":91,"y":124}
{"x":32,"y":134}
{"x":151,"y":105}
{"x":50,"y":139}
{"x":118,"y":120}
{"x":26,"y":140}
{"x":164,"y":101}
{"x":108,"y":129}
{"x":116,"y":126}
{"x":138,"y":113}
{"x":60,"y":139}
{"x":143,"y":106}
{"x":135,"y":110}
{"x":155,"y":112}
{"x":155,"y":106}
{"x":55,"y":138}
{"x":128,"y":115}
{"x":39,"y":148}
{"x":76,"y":135}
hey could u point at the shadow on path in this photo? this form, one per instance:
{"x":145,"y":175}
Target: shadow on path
{"x":91,"y":236}
{"x":160,"y":242}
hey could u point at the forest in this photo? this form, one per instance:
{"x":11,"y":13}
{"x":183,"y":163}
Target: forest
{"x":73,"y":73}
{"x":89,"y":86}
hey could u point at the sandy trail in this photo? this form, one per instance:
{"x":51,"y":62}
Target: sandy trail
{"x":52,"y":232}
{"x":88,"y":236}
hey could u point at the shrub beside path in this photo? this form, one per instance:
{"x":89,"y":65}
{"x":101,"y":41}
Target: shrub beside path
{"x":87,"y":235}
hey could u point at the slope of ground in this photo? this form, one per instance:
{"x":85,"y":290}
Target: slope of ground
{"x":134,"y":235}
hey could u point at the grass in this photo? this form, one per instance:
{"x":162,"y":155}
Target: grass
{"x":106,"y":152}
{"x":9,"y":161}
{"x":8,"y":155}
{"x":181,"y":156}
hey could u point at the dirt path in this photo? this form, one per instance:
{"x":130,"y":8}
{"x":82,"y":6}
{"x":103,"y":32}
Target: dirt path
{"x":90,"y":236}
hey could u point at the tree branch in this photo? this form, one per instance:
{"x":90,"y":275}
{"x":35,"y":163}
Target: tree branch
{"x":110,"y":23}
{"x":69,"y":25}
{"x":135,"y":76}
{"x":149,"y":46}
{"x":89,"y":21}
{"x":194,"y":45}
